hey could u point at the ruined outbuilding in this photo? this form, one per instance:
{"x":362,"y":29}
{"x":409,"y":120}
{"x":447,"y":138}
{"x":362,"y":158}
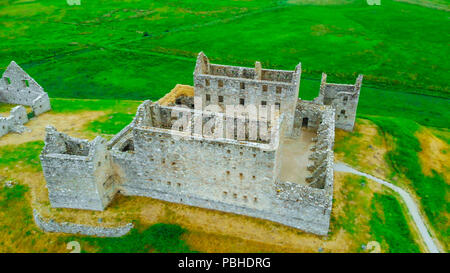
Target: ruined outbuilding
{"x":17,"y":87}
{"x":270,"y":156}
{"x":14,"y":122}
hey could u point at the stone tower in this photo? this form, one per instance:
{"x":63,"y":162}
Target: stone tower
{"x":344,"y":99}
{"x":78,"y":172}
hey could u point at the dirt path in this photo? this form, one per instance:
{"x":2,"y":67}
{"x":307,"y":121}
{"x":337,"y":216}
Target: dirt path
{"x":70,"y":123}
{"x":412,"y":207}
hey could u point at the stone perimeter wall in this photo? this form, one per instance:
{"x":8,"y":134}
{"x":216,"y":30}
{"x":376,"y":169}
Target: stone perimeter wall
{"x":66,"y":227}
{"x":322,"y":156}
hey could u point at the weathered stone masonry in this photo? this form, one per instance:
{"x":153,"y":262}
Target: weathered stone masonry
{"x":14,"y":122}
{"x":229,"y":171}
{"x":65,"y":227}
{"x":233,"y":85}
{"x":78,"y":172}
{"x":344,"y":99}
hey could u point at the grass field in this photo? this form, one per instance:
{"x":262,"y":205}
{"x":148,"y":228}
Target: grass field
{"x":432,"y":189}
{"x":139,"y":50}
{"x":116,"y":53}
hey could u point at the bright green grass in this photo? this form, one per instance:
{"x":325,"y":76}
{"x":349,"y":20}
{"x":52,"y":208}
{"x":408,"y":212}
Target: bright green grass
{"x":74,"y":105}
{"x":432,"y":191}
{"x":98,"y":50}
{"x":109,"y":83}
{"x":69,"y":29}
{"x":17,"y":220}
{"x":22,"y":155}
{"x":9,"y":195}
{"x":388,"y":225}
{"x":160,"y":237}
{"x":110,"y":124}
{"x":394,"y":45}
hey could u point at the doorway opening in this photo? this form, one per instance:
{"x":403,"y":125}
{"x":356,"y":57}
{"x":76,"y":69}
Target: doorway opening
{"x":305,"y":122}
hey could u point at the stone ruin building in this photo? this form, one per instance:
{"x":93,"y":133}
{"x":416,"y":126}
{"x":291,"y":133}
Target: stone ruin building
{"x":282,"y":173}
{"x":344,"y":99}
{"x":17,"y":87}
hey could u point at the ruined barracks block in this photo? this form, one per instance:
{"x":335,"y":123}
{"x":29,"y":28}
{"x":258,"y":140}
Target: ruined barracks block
{"x":278,"y":168}
{"x":17,"y":87}
{"x":233,"y":85}
{"x":344,"y":99}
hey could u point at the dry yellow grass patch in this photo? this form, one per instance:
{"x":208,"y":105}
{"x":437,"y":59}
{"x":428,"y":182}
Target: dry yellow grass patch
{"x":34,"y":242}
{"x":364,"y":148}
{"x":435,"y":154}
{"x":178,"y":91}
{"x":215,"y":243}
{"x":320,"y":30}
{"x":210,"y":231}
{"x":66,"y":123}
{"x":27,"y":10}
{"x":26,"y":237}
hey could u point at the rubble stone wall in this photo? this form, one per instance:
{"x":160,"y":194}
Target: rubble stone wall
{"x":14,"y":122}
{"x":71,"y":228}
{"x":343,"y":98}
